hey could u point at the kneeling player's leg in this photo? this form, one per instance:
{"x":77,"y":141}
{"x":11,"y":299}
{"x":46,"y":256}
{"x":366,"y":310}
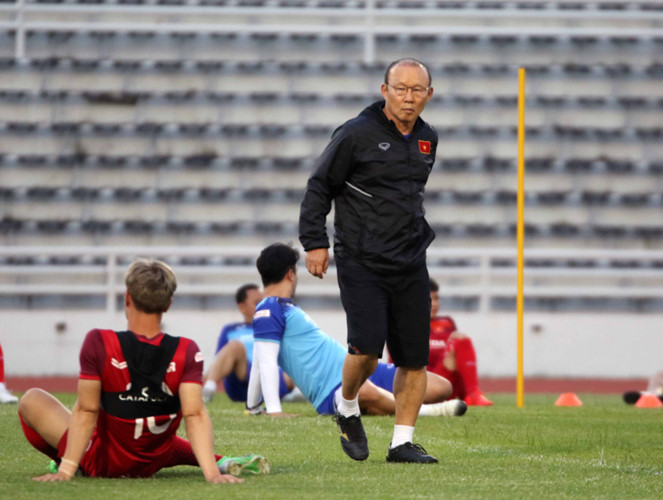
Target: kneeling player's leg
{"x":374,"y":400}
{"x":438,"y":388}
{"x":44,"y":420}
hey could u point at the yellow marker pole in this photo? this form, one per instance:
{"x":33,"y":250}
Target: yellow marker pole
{"x":521,"y":231}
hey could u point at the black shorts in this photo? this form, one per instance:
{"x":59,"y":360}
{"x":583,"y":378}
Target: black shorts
{"x":386,"y":308}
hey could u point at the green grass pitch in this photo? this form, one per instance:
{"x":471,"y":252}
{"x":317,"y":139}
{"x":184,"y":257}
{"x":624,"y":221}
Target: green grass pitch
{"x":604,"y":449}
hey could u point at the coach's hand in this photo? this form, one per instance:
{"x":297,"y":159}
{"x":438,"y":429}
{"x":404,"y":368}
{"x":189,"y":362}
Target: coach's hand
{"x":317,"y":261}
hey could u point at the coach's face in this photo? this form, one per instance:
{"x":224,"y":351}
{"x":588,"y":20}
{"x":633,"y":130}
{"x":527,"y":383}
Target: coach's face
{"x":406,"y":94}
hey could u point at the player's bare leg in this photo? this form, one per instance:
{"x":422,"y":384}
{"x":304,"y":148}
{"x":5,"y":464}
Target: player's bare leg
{"x":437,"y":388}
{"x":43,"y":413}
{"x":230,"y":359}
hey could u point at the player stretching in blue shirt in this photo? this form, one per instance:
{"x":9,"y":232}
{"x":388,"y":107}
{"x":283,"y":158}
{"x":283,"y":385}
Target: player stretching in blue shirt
{"x":286,"y":337}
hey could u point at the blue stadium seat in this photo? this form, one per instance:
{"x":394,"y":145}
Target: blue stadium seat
{"x":649,"y":233}
{"x":551,"y":197}
{"x":96,"y":226}
{"x":454,"y":164}
{"x":214,"y":194}
{"x":32,"y":160}
{"x":542,"y":40}
{"x":180,"y":227}
{"x":503,"y":41}
{"x":564,"y":230}
{"x":611,"y":231}
{"x":225,"y":228}
{"x":583,"y":41}
{"x":623,"y":41}
{"x":200,"y":160}
{"x":54,"y":226}
{"x":137,"y":226}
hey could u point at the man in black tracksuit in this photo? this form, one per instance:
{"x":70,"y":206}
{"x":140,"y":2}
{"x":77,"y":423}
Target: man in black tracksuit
{"x":375,"y":170}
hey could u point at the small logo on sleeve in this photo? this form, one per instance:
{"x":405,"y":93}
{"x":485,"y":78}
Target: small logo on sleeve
{"x":263,"y":313}
{"x":424,"y":147}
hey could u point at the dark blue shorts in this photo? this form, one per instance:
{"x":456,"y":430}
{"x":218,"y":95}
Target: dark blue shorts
{"x":237,"y":389}
{"x":327,"y":407}
{"x":384,"y":376}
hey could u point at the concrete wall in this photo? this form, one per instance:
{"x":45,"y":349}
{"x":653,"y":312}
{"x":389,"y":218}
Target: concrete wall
{"x":556,"y":345}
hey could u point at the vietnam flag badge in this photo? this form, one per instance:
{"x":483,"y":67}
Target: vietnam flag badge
{"x":424,"y":147}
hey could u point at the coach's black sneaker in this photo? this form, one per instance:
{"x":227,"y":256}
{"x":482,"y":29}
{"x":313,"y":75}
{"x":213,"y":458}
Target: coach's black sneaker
{"x":353,"y":437}
{"x":631,"y":397}
{"x":410,"y":453}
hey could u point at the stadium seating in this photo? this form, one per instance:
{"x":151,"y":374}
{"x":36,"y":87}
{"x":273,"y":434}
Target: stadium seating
{"x":152,"y":135}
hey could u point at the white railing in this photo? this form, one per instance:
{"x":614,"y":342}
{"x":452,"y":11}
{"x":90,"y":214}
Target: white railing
{"x":366,"y":22}
{"x":483,"y":274}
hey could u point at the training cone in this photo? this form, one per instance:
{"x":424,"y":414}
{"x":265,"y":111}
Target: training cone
{"x":648,"y":400}
{"x":568,"y":399}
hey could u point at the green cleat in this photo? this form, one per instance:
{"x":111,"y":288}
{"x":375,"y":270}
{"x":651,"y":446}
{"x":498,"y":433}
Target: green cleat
{"x":53,"y":467}
{"x":252,"y":464}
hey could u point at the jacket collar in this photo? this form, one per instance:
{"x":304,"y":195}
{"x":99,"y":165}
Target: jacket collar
{"x":376,"y":111}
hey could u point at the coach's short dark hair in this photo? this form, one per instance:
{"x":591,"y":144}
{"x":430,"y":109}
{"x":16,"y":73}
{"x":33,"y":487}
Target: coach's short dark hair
{"x":275,"y":261}
{"x":434,"y":287}
{"x":410,"y":61}
{"x":243,"y":291}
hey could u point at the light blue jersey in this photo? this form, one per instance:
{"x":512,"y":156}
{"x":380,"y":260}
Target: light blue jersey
{"x":313,"y":360}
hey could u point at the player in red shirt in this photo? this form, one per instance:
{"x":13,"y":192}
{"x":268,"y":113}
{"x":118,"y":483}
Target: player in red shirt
{"x":452,"y":355}
{"x":134,"y":389}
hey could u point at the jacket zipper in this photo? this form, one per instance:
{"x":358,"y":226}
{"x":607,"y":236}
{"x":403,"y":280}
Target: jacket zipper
{"x":358,"y":190}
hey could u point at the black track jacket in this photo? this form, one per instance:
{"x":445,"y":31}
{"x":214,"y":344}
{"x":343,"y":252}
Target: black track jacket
{"x":376,"y":178}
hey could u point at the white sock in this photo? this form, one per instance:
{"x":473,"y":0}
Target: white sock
{"x":2,"y":386}
{"x":425,"y":411}
{"x":210,"y":385}
{"x":402,"y":434}
{"x":349,"y":407}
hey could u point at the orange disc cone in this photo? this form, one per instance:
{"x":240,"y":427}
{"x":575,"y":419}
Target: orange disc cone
{"x":648,"y":400}
{"x":568,"y":399}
